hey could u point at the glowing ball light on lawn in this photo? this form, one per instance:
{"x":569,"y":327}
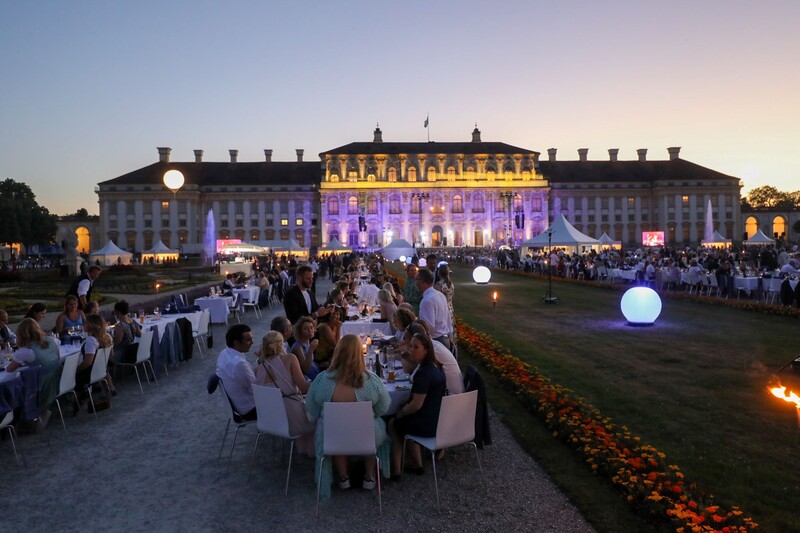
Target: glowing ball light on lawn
{"x":402,"y":259}
{"x":641,"y":306}
{"x":481,"y":275}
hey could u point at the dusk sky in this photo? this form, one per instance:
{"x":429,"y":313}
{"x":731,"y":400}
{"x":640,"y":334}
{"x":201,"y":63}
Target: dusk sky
{"x":91,"y":88}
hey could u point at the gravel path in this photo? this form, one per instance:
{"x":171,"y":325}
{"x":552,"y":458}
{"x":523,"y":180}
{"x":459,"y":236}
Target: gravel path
{"x":150,"y":463}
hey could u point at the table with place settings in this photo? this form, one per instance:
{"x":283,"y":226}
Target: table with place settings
{"x":219,"y":307}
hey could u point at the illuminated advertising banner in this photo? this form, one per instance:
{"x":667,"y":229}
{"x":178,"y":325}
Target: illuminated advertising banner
{"x":223,"y":242}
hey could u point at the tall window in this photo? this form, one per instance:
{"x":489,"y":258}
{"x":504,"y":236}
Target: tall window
{"x":392,"y":174}
{"x":394,"y":205}
{"x":416,"y":203}
{"x":333,"y":205}
{"x":412,"y":173}
{"x":372,"y":205}
{"x":458,"y":203}
{"x":477,"y":203}
{"x":352,"y":238}
{"x":352,"y":205}
{"x":536,"y":204}
{"x":778,"y":227}
{"x":517,"y":203}
{"x":300,"y":237}
{"x":685,"y":202}
{"x":431,"y":173}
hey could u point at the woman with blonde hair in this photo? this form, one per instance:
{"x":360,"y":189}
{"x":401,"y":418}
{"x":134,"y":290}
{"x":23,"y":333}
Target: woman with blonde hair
{"x":276,"y":368}
{"x":34,"y":347}
{"x":96,"y":338}
{"x":388,"y":307}
{"x":396,"y":298}
{"x":347,"y":380}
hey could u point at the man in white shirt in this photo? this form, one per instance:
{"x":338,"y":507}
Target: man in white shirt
{"x":236,"y":373}
{"x":433,"y":308}
{"x":369,"y":292}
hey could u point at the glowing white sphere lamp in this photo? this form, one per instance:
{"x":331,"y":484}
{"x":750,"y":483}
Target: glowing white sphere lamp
{"x":402,"y":259}
{"x":173,"y":179}
{"x":640,"y":306}
{"x":423,"y":262}
{"x":481,"y":275}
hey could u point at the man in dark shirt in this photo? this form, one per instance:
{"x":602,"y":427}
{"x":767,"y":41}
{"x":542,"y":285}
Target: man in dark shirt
{"x":300,"y":301}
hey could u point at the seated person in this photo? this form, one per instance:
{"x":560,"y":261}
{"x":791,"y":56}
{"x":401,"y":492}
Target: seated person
{"x":388,"y":307}
{"x":305,"y":345}
{"x":235,"y":372}
{"x":34,"y":347}
{"x":330,"y":331}
{"x":282,"y":325}
{"x":420,"y":416}
{"x":125,"y":332}
{"x":92,"y":308}
{"x":71,"y":317}
{"x":276,"y":368}
{"x":37,"y":311}
{"x":97,"y":338}
{"x":452,"y":372}
{"x":347,"y":380}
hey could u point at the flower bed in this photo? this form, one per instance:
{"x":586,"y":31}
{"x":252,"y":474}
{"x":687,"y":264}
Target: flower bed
{"x":641,"y":472}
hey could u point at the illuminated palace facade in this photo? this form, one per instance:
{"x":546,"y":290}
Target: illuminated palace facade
{"x":434,"y":194}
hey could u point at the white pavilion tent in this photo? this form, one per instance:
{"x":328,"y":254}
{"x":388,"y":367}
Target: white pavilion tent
{"x":759,"y":238}
{"x":110,"y":254}
{"x":717,"y":240}
{"x":564,"y":235}
{"x":396,"y":248}
{"x":160,"y":252}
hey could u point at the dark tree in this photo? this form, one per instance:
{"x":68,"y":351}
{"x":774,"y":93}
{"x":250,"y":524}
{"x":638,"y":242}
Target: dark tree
{"x":22,"y":219}
{"x":81,"y":213}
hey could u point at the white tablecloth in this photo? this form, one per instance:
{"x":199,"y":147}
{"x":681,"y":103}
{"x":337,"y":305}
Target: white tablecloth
{"x":746,"y":284}
{"x":398,"y":397}
{"x":365,"y":327}
{"x":218,"y":306}
{"x":618,"y":273}
{"x":161,"y":323}
{"x":249,"y":294}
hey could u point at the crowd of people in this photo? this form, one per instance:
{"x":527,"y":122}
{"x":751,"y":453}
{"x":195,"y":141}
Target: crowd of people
{"x":308,"y":358}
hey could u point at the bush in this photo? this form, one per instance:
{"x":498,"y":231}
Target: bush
{"x":12,"y":276}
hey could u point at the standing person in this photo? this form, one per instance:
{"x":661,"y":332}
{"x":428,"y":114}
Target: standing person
{"x":411,"y":294}
{"x":300,"y":301}
{"x":446,"y":287}
{"x":236,"y":373}
{"x":82,"y":286}
{"x":433,"y":309}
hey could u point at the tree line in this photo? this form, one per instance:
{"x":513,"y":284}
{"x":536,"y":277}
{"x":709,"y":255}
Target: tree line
{"x":768,"y":197}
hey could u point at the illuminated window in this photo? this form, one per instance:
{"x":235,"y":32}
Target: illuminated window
{"x":333,"y":205}
{"x":431,"y":173}
{"x":536,"y":205}
{"x":183,"y":237}
{"x":392,"y":173}
{"x":334,"y":178}
{"x":298,"y":222}
{"x":685,"y":202}
{"x":284,"y":222}
{"x":394,"y":205}
{"x":352,"y":175}
{"x":631,"y":202}
{"x":352,"y":205}
{"x":517,"y":202}
{"x":412,"y":173}
{"x":451,"y":171}
{"x":778,"y":227}
{"x":477,"y":203}
{"x":165,"y":207}
{"x":458,"y":203}
{"x":300,"y":237}
{"x":254,"y":234}
{"x":372,"y":205}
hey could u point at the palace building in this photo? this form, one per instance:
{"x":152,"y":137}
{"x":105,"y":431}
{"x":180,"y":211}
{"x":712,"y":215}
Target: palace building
{"x":432,"y":194}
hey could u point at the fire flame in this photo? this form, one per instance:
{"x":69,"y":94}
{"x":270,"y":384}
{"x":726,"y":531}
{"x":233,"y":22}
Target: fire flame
{"x":494,"y":296}
{"x":791,"y":397}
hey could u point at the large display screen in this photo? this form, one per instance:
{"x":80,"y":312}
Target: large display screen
{"x":653,"y":238}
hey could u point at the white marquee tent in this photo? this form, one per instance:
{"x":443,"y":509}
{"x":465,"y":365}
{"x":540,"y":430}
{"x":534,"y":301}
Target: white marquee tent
{"x":110,"y":254}
{"x":335,"y":247}
{"x":717,"y":240}
{"x":608,"y":242}
{"x":759,"y":238}
{"x":396,"y":248}
{"x":160,"y":252}
{"x":564,"y":235}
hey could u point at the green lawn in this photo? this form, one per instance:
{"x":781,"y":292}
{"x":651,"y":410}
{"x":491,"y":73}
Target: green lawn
{"x":693,"y":385}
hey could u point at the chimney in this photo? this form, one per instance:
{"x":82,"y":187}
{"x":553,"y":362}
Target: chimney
{"x":582,"y":153}
{"x":377,"y":136}
{"x":642,"y":154}
{"x":299,"y":155}
{"x":268,"y":155}
{"x":551,"y":154}
{"x":234,"y":155}
{"x":198,"y":156}
{"x":612,"y":154}
{"x":476,"y":134}
{"x":674,"y":152}
{"x":163,"y":155}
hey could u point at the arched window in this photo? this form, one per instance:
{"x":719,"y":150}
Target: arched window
{"x":394,"y":205}
{"x":517,"y":203}
{"x":352,"y":205}
{"x":372,"y":205}
{"x":431,"y":173}
{"x":477,"y":204}
{"x":751,"y":226}
{"x":223,"y":234}
{"x":300,"y":237}
{"x":412,"y":173}
{"x":333,"y":205}
{"x":778,"y":227}
{"x":183,"y":237}
{"x":130,"y":240}
{"x":458,"y":203}
{"x":372,"y":238}
{"x":451,"y":171}
{"x":437,"y":206}
{"x":392,"y":174}
{"x":269,"y":235}
{"x":166,"y":237}
{"x":148,"y":240}
{"x":255,"y":234}
{"x":84,"y":239}
{"x":239,"y":234}
{"x":333,"y":234}
{"x":352,"y":238}
{"x":285,"y":234}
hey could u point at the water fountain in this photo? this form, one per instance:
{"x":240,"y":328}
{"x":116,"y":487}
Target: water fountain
{"x":210,"y":240}
{"x":709,"y":232}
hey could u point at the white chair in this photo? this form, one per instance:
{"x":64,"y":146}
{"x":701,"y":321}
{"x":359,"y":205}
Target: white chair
{"x":236,"y":418}
{"x":773,"y":289}
{"x":456,"y":426}
{"x":67,"y":383}
{"x":254,"y":305}
{"x":202,"y":330}
{"x":713,"y":285}
{"x":349,"y":430}
{"x":98,"y":374}
{"x":272,"y":420}
{"x":234,"y":308}
{"x":142,"y":358}
{"x":6,"y":424}
{"x":602,"y":273}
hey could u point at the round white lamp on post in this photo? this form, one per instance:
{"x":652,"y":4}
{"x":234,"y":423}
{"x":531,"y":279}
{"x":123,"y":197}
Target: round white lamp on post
{"x":481,"y":275}
{"x":174,"y":180}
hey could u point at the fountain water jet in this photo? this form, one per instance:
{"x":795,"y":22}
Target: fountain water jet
{"x":709,"y":231}
{"x":210,"y":240}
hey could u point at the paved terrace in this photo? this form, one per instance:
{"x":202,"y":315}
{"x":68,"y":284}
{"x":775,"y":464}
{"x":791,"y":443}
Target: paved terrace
{"x":150,"y":463}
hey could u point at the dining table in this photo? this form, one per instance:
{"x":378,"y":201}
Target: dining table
{"x":249,"y":293}
{"x":366,"y":326}
{"x":218,"y":306}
